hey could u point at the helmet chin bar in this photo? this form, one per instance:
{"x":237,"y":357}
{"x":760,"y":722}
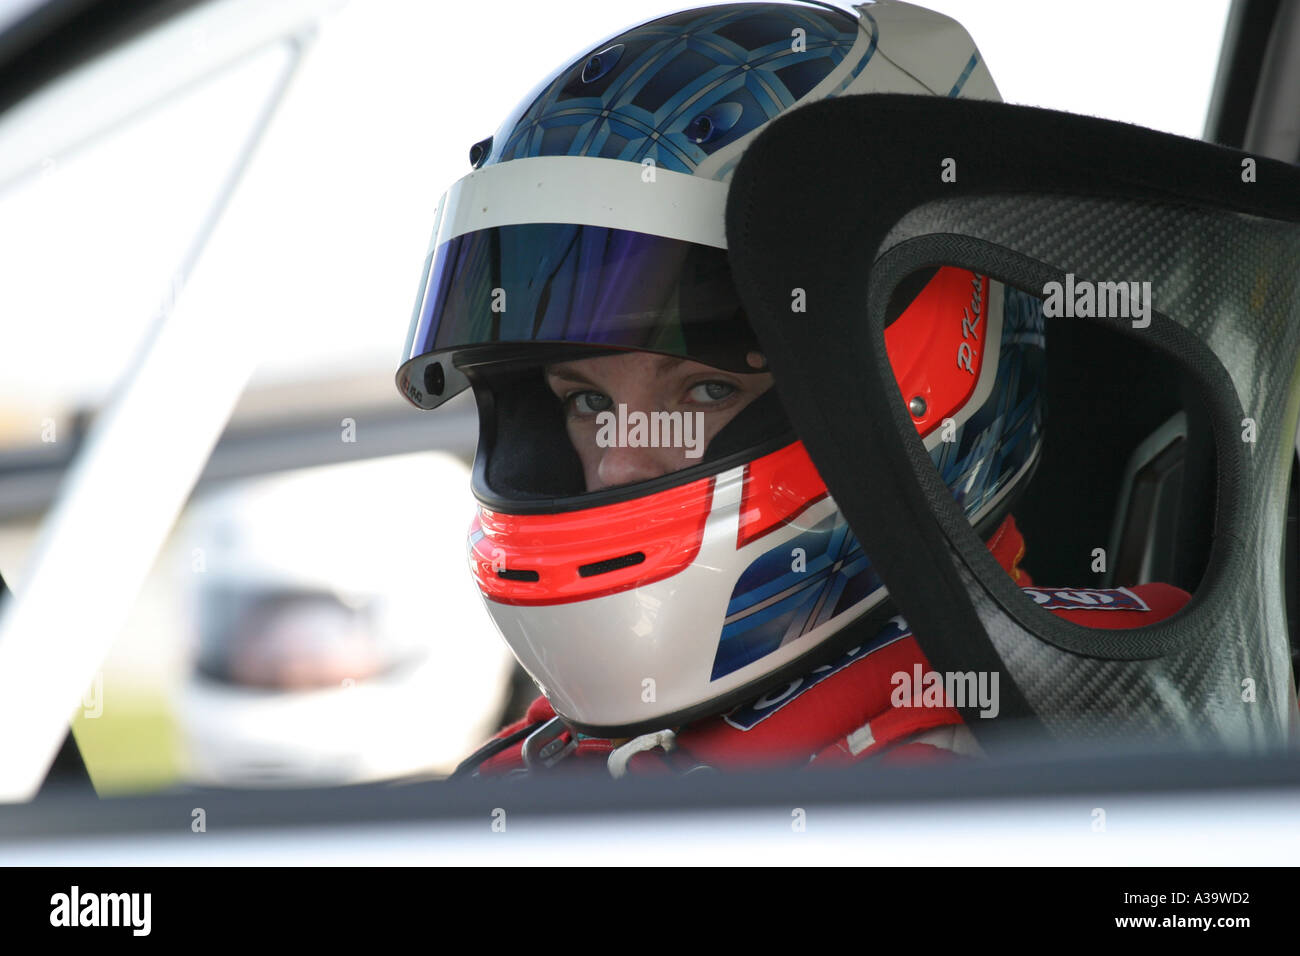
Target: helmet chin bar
{"x":1039,"y":197}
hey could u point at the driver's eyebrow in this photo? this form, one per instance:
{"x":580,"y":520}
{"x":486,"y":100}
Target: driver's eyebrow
{"x":567,"y":373}
{"x":663,"y":364}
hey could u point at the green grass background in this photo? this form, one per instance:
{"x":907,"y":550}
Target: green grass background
{"x":131,"y":747}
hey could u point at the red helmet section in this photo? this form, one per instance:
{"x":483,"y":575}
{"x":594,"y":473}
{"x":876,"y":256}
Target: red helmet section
{"x":936,"y":347}
{"x":778,"y":487}
{"x":579,"y":555}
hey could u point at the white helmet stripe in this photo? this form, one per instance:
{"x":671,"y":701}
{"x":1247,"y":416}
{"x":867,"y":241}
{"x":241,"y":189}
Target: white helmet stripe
{"x":587,"y":190}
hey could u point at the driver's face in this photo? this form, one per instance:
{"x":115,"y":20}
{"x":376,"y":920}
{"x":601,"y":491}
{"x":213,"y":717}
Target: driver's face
{"x":645,"y":382}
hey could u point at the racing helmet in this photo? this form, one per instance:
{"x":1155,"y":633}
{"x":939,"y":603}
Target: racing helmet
{"x":592,"y":228}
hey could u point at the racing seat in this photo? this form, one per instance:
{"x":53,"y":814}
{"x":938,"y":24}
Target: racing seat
{"x":1042,"y":196}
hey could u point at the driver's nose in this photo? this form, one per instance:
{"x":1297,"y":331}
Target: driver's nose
{"x":623,"y":466}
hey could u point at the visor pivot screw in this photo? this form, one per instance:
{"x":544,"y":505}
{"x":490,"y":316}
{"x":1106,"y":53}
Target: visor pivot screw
{"x":917,"y":406}
{"x":479,"y":152}
{"x":434,"y":379}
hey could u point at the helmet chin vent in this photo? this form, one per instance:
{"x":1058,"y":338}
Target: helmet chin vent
{"x":610,"y":564}
{"x":518,"y":574}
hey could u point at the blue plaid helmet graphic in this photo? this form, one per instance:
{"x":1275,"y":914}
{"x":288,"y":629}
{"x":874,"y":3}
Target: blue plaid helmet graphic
{"x":681,"y":89}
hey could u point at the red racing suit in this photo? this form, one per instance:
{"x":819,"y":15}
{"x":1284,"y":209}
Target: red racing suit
{"x":853,"y":709}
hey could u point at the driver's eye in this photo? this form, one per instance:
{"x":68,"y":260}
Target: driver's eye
{"x":712,"y":391}
{"x":590,"y":403}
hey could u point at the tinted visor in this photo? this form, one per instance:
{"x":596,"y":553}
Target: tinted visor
{"x":576,"y":284}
